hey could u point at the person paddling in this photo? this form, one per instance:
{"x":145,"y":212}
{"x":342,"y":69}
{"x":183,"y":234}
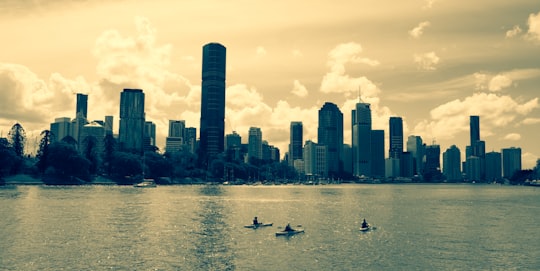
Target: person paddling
{"x":364,"y":224}
{"x":255,"y":221}
{"x":288,"y":227}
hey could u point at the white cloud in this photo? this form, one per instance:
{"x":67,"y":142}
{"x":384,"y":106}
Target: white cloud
{"x":451,"y":118}
{"x":512,"y":137}
{"x":426,"y":61}
{"x":531,"y":121}
{"x":534,"y":26}
{"x":480,"y":80}
{"x":419,"y":30}
{"x":516,"y":30}
{"x":499,"y":82}
{"x":260,"y":51}
{"x":429,"y":4}
{"x":337,"y":81}
{"x":299,"y":89}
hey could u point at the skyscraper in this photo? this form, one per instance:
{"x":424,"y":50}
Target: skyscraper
{"x":212,"y":129}
{"x":296,"y":141}
{"x":416,"y":147}
{"x":452,"y":164}
{"x":511,"y":161}
{"x":432,"y":167}
{"x":255,"y":143}
{"x":330,"y":134}
{"x":131,"y":131}
{"x":493,"y":166}
{"x":474,"y":129}
{"x":361,"y":139}
{"x":82,"y":105}
{"x":149,"y":140}
{"x":175,"y":138}
{"x":60,"y":128}
{"x":396,"y":137}
{"x":377,"y":153}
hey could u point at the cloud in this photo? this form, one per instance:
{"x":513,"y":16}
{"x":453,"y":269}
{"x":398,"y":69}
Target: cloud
{"x":426,"y":61}
{"x":499,"y":82}
{"x":299,"y":89}
{"x":534,"y":26}
{"x":512,"y":137}
{"x":337,"y":81}
{"x":261,"y":51}
{"x":419,"y":30}
{"x":428,"y":4}
{"x":516,"y":30}
{"x":451,"y":118}
{"x":297,"y":53}
{"x":531,"y":121}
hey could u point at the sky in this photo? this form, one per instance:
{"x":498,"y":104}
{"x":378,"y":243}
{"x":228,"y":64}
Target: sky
{"x":432,"y":62}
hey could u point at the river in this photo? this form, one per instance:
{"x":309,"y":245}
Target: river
{"x":418,"y":227}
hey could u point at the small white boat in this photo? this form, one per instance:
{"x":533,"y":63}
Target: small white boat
{"x":255,"y":226}
{"x":289,"y":233}
{"x":146,"y":183}
{"x":365,"y":228}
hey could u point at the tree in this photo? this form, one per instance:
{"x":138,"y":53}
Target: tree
{"x":17,"y":138}
{"x":126,"y":167}
{"x":43,"y":151}
{"x":109,"y":147}
{"x":156,"y":165}
{"x":90,"y":152}
{"x":65,"y":165}
{"x":7,"y":158}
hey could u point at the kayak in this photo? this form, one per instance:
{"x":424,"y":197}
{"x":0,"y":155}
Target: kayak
{"x":255,"y":226}
{"x":365,"y":228}
{"x":289,"y":233}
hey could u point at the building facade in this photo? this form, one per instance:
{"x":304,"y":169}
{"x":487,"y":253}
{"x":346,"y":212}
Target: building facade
{"x":132,"y":118}
{"x":361,"y":140}
{"x":296,"y":141}
{"x":212,"y":125}
{"x":330,"y":134}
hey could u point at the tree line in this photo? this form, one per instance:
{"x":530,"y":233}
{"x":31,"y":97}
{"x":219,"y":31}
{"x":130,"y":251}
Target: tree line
{"x":66,"y":162}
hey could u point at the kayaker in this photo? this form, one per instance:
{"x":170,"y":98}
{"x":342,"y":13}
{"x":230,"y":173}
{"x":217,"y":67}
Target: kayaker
{"x":364,"y":224}
{"x":255,"y":221}
{"x":288,"y":227}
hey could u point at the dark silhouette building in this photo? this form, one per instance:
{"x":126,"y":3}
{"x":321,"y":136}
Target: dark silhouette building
{"x":330,"y":134}
{"x":396,"y":137}
{"x":212,"y":128}
{"x":361,"y":139}
{"x":82,"y":105}
{"x":296,"y":142}
{"x":132,"y":118}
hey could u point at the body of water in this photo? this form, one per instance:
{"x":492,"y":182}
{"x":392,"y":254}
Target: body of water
{"x":418,"y":227}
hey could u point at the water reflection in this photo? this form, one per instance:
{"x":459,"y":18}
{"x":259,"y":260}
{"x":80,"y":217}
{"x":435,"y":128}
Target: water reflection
{"x":212,"y":251}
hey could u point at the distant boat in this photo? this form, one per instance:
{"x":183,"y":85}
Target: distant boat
{"x":146,"y":183}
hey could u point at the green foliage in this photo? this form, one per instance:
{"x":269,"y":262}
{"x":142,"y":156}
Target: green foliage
{"x":17,"y":138}
{"x":521,"y":176}
{"x":65,"y":165}
{"x":43,"y":151}
{"x":91,"y":153}
{"x":156,"y":165}
{"x":109,"y":147}
{"x":125,"y":167}
{"x":8,"y":158}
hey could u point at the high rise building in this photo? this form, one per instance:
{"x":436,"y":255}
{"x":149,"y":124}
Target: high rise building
{"x":396,"y":137}
{"x":212,"y":128}
{"x":132,"y":118}
{"x":233,"y":140}
{"x":330,"y":134}
{"x":493,"y":166}
{"x":296,"y":141}
{"x":255,"y":143}
{"x":511,"y":161}
{"x":108,"y":125}
{"x":190,"y":139}
{"x":96,"y":130}
{"x":474,"y":129}
{"x":149,"y":140}
{"x":315,"y":160}
{"x":416,"y":147}
{"x":377,"y":153}
{"x":82,"y":105}
{"x":452,"y":164}
{"x":361,"y":140}
{"x":432,"y":167}
{"x":60,"y":128}
{"x":175,"y":138}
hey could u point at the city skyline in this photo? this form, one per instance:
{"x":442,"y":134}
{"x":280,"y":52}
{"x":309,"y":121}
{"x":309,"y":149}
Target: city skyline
{"x":419,"y":64}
